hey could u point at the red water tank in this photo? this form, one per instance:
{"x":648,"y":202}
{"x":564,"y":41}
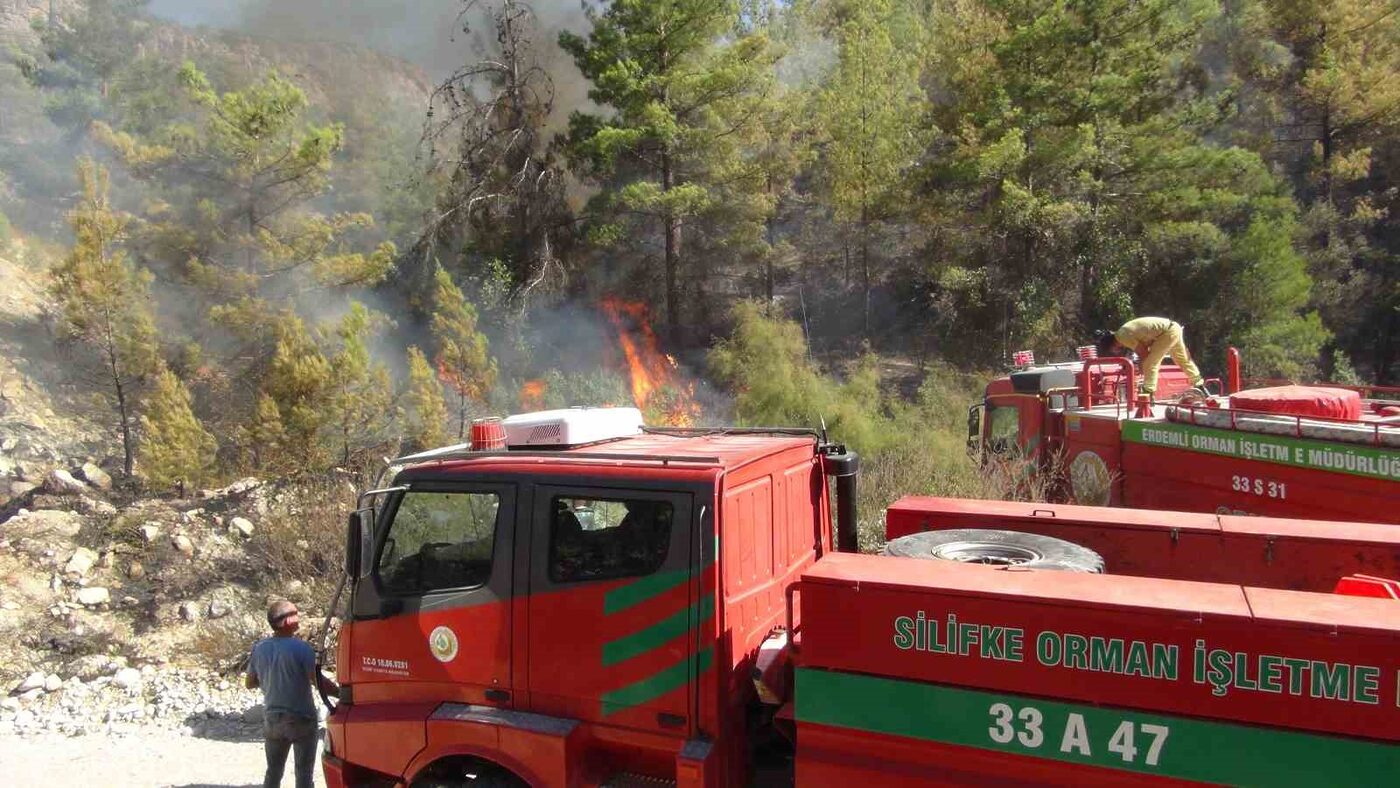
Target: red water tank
{"x":1301,"y":401}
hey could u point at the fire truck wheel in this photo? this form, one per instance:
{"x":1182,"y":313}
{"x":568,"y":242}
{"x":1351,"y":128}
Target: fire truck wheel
{"x":997,"y":548}
{"x":467,"y":773}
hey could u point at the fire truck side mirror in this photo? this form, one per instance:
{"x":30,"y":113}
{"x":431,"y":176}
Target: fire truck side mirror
{"x":359,"y":540}
{"x":974,"y":429}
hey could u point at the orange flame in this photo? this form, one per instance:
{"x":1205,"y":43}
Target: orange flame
{"x":532,"y":395}
{"x":655,"y":385}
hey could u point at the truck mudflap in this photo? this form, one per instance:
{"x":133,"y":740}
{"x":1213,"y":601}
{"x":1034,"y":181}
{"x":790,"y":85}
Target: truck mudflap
{"x":333,"y":769}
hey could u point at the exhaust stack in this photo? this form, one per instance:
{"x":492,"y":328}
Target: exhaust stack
{"x":844,"y":466}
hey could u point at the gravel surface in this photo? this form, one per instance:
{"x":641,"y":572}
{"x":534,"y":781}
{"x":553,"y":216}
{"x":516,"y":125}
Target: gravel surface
{"x":148,"y":757}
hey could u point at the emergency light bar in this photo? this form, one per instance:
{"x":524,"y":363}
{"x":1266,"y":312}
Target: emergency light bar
{"x":571,"y":426}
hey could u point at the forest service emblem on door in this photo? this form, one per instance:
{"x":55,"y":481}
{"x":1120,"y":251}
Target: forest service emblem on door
{"x":443,"y":643}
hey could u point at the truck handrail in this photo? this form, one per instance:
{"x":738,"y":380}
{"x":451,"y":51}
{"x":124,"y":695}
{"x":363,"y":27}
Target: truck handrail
{"x":562,"y":453}
{"x":1086,"y":378}
{"x":1281,"y":418}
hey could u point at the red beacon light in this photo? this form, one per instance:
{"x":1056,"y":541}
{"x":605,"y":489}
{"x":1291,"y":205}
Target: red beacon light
{"x":1087,"y":352}
{"x":1023,"y":358}
{"x":488,"y":434}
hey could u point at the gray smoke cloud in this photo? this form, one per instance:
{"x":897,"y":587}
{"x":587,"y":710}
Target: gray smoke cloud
{"x":425,"y":32}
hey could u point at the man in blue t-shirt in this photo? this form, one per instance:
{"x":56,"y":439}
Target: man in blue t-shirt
{"x":284,"y":666}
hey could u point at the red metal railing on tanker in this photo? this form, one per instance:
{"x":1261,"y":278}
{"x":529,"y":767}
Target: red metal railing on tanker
{"x":1236,"y":413}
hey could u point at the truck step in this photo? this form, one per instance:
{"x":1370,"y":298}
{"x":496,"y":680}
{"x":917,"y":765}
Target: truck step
{"x":626,"y":780}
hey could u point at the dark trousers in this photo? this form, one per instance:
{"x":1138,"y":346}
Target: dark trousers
{"x":283,"y":732}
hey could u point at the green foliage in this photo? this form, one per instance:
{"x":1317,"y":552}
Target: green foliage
{"x":361,"y":398}
{"x":871,"y":109}
{"x":299,"y":382}
{"x":680,"y":91}
{"x":175,"y":447}
{"x":427,"y":408}
{"x":243,"y":175}
{"x":916,"y":447}
{"x":83,"y":54}
{"x":463,"y":354}
{"x":104,"y":301}
{"x":765,"y":363}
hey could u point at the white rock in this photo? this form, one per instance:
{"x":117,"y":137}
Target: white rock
{"x":127,"y":678}
{"x":81,"y":562}
{"x":94,"y":506}
{"x":150,"y":531}
{"x":95,"y":476}
{"x":61,"y":482}
{"x":189,"y":611}
{"x":218,"y":608}
{"x":18,"y":488}
{"x":46,"y":523}
{"x":183,"y":544}
{"x":53,"y":683}
{"x":96,"y":595}
{"x":10,"y":704}
{"x":33,"y":681}
{"x":241,"y":526}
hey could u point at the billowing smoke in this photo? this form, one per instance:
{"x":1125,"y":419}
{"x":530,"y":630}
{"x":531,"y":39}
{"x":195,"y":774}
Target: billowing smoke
{"x":425,"y":32}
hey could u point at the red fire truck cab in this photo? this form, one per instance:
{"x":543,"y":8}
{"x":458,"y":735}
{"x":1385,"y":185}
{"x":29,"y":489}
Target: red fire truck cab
{"x":580,"y":608}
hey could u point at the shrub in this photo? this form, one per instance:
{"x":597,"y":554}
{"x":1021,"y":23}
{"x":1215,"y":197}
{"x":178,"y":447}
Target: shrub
{"x":302,"y":538}
{"x":913,"y":447}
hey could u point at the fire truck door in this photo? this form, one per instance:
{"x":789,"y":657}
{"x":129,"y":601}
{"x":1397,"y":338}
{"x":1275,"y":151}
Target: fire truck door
{"x":435,"y":606}
{"x":613,"y":612}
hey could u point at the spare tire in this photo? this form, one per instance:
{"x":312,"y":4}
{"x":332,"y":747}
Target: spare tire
{"x":997,"y":548}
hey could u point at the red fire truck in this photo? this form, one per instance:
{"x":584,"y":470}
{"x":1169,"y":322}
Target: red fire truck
{"x":1324,"y":452}
{"x":587,"y":602}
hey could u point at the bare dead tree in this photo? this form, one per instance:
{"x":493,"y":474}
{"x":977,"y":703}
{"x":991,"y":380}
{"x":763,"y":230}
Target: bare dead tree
{"x":501,"y":193}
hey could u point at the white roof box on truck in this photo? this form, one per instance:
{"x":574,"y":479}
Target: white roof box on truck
{"x":571,"y":426}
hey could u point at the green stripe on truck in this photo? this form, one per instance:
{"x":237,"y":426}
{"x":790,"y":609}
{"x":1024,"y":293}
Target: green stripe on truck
{"x":1147,"y":743}
{"x":657,"y":684}
{"x":654,"y":636}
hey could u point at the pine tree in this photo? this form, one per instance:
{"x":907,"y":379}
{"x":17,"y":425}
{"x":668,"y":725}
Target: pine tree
{"x":175,"y":447}
{"x":428,"y":409}
{"x":463,"y":355}
{"x":1338,"y":131}
{"x":105,"y":301}
{"x":362,"y":397}
{"x":300,"y":382}
{"x":872,"y":119}
{"x":264,"y":438}
{"x":662,"y":69}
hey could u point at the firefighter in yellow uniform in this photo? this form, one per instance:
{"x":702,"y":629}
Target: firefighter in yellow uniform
{"x":1153,"y":339}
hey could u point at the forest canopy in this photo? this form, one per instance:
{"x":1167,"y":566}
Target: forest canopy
{"x":702,"y":189}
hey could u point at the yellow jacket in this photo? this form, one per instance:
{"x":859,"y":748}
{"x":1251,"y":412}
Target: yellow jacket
{"x":1141,"y":331}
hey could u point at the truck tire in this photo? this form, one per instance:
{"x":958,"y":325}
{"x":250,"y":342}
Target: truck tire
{"x":997,"y":548}
{"x":467,"y":773}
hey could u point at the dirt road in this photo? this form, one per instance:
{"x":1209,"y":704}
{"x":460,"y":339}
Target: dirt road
{"x":148,"y":758}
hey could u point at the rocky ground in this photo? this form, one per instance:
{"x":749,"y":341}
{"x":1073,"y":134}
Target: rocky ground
{"x":124,"y":611}
{"x":139,"y":614}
